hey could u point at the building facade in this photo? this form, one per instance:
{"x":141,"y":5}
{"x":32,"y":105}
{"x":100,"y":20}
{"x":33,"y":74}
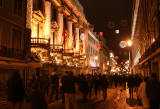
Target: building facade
{"x":145,"y":35}
{"x":93,"y":52}
{"x":104,"y":56}
{"x":45,"y":34}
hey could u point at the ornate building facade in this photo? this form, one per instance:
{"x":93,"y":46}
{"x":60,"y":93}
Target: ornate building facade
{"x":45,"y":34}
{"x":93,"y":52}
{"x":58,"y":33}
{"x":145,"y":35}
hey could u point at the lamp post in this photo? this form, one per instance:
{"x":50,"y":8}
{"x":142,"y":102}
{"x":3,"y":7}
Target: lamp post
{"x":129,"y":43}
{"x":96,"y":57}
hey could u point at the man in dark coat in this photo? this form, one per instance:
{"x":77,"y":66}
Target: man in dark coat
{"x":153,"y":91}
{"x":54,"y":84}
{"x":69,"y":87}
{"x":131,"y":85}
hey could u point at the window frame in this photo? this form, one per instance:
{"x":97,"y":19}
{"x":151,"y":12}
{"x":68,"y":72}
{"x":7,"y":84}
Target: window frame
{"x":17,"y":11}
{"x":1,"y":3}
{"x":20,"y":38}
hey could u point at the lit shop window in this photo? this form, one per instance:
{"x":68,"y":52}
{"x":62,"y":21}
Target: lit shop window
{"x":34,"y":29}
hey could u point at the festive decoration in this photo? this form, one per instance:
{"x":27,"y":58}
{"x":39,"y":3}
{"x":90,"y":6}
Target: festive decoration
{"x":116,"y":57}
{"x":97,"y":46}
{"x":121,"y":63}
{"x":111,"y":25}
{"x":117,"y":31}
{"x":124,"y":23}
{"x":122,"y":44}
{"x":82,"y":36}
{"x":101,"y":33}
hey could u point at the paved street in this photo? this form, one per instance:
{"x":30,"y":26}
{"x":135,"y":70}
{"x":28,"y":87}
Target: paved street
{"x":115,"y":100}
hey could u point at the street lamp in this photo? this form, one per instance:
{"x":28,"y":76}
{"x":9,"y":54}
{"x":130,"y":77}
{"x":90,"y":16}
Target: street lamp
{"x":129,"y":44}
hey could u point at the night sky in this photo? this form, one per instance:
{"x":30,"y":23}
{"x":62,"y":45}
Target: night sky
{"x":101,"y":12}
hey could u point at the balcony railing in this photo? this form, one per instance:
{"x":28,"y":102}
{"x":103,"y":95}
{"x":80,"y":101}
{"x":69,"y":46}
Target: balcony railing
{"x":12,"y":53}
{"x":155,"y":45}
{"x":56,"y":48}
{"x":39,"y":42}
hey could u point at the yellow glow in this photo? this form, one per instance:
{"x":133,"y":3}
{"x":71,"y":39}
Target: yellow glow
{"x":96,"y":58}
{"x":153,"y":40}
{"x":47,"y":20}
{"x":129,"y":43}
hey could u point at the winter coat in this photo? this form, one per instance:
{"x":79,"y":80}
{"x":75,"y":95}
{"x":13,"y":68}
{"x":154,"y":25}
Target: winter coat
{"x":153,"y":89}
{"x":142,"y":95}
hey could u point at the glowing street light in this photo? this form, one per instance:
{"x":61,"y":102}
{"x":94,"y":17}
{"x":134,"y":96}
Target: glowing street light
{"x":129,"y":43}
{"x":96,"y":58}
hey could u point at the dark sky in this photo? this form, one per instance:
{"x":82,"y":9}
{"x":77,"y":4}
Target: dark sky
{"x":101,"y":12}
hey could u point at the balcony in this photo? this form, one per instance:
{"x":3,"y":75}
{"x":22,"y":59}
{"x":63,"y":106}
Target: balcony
{"x":40,"y":42}
{"x":68,"y":52}
{"x":12,"y":53}
{"x":56,"y":48}
{"x":155,"y":45}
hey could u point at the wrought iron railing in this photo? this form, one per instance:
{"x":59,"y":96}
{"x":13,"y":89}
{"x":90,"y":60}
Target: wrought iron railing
{"x":155,"y":45}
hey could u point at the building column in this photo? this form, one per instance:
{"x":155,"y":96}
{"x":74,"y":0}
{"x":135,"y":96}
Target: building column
{"x":28,"y":25}
{"x":77,"y":37}
{"x":69,"y":26}
{"x":47,"y":26}
{"x":60,"y":25}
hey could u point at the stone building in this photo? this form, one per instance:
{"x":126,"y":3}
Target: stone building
{"x":104,"y":55}
{"x":44,"y":34}
{"x":145,"y":36}
{"x":13,"y":43}
{"x":57,"y":29}
{"x":93,"y":52}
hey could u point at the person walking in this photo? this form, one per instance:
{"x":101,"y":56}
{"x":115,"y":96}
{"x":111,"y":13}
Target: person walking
{"x":131,"y":85}
{"x":84,"y":87}
{"x":104,"y":86}
{"x":37,"y":97}
{"x":16,"y":91}
{"x":153,"y":91}
{"x":54,"y":84}
{"x":111,"y":79}
{"x":69,"y":87}
{"x":96,"y":84}
{"x":138,"y":80}
{"x":90,"y":84}
{"x":142,"y":93}
{"x":63,"y":90}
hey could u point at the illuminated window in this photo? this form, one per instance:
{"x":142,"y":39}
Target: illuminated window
{"x":16,"y":39}
{"x":34,"y":29}
{"x":18,"y":7}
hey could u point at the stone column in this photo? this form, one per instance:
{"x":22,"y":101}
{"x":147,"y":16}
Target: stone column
{"x":60,"y":26}
{"x":28,"y":25}
{"x":77,"y":37}
{"x":69,"y":26}
{"x":47,"y":26}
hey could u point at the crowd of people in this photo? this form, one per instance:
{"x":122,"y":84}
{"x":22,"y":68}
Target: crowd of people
{"x":40,"y":86}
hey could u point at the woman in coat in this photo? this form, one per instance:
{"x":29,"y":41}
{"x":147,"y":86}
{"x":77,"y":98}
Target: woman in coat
{"x":142,"y":93}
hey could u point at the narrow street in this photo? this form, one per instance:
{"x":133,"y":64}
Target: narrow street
{"x":115,"y":100}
